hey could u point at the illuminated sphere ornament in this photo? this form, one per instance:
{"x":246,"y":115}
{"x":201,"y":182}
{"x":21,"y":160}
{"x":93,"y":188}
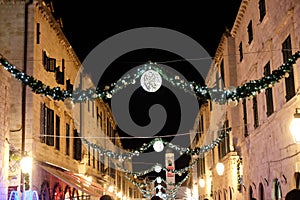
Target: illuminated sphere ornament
{"x":69,"y":103}
{"x":158,"y":146}
{"x":158,"y":179}
{"x":157,"y":168}
{"x":151,"y":81}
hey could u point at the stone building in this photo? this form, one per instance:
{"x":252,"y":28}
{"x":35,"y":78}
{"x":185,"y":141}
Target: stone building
{"x":260,"y":156}
{"x":37,"y":122}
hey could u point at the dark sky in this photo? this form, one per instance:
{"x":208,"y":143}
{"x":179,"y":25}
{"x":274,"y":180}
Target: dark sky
{"x":88,"y":23}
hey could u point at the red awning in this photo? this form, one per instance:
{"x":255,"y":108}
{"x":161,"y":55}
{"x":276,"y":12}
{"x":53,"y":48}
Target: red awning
{"x":76,"y":181}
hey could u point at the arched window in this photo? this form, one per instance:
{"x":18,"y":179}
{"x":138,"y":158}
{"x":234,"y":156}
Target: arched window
{"x":261,"y":192}
{"x":250,"y":193}
{"x":45,"y":191}
{"x":57,"y":192}
{"x":297,"y":179}
{"x":67,"y":193}
{"x":276,"y":190}
{"x":75,"y":194}
{"x":230,"y":193}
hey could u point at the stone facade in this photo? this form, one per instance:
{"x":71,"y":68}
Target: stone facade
{"x":40,"y":126}
{"x":262,"y":159}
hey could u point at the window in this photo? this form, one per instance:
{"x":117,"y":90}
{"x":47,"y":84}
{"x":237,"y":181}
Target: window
{"x":101,"y":158}
{"x":93,"y":157}
{"x":251,"y":193}
{"x":262,"y":10}
{"x":255,"y":112}
{"x":67,"y":139}
{"x":48,"y":63}
{"x":59,"y":75}
{"x":38,"y":33}
{"x":89,"y":155}
{"x":77,"y":146}
{"x":245,"y":118}
{"x":297,"y":179}
{"x":69,"y":86}
{"x":241,"y":51}
{"x":98,"y":161}
{"x":98,"y":116}
{"x":261,"y":192}
{"x":289,"y":81}
{"x":47,"y":125}
{"x":222,"y":74}
{"x":223,"y":147}
{"x":277,"y":193}
{"x":250,"y":32}
{"x":268,"y":93}
{"x":57,"y":132}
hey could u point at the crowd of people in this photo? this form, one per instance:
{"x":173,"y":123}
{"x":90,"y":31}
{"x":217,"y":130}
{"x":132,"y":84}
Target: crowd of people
{"x":292,"y":195}
{"x":107,"y":197}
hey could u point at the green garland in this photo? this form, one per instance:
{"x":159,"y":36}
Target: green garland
{"x":250,"y":88}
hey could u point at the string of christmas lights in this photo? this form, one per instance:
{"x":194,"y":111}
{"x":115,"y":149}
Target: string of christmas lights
{"x":218,"y":95}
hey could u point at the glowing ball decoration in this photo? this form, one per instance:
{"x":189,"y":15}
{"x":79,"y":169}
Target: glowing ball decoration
{"x":158,"y":146}
{"x":151,"y":81}
{"x":157,"y":168}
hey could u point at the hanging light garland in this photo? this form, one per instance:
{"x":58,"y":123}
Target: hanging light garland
{"x":146,"y":146}
{"x":170,"y":193}
{"x":151,"y":81}
{"x":248,"y":89}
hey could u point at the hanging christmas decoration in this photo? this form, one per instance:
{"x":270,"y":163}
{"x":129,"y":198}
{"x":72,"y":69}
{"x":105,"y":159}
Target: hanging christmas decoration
{"x":151,"y":80}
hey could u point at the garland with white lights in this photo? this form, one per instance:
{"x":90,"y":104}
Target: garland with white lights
{"x":250,"y":88}
{"x":170,"y":193}
{"x":153,"y":74}
{"x":158,"y":142}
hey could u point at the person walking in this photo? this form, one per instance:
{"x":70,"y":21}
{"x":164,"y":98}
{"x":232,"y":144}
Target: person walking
{"x":293,"y":195}
{"x":106,"y":197}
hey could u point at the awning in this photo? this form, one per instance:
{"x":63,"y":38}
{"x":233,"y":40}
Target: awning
{"x":76,"y":181}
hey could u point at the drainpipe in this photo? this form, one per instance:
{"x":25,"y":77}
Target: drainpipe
{"x":23,"y":136}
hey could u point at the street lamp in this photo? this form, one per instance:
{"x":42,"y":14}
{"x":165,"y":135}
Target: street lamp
{"x":220,"y":168}
{"x":26,"y":164}
{"x":295,"y":126}
{"x":202,"y":182}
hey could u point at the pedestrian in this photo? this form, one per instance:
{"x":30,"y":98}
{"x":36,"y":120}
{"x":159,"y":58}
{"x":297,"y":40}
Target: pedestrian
{"x":293,"y":195}
{"x":106,"y":197}
{"x":155,"y":198}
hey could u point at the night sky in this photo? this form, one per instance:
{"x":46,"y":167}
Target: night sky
{"x":88,"y":23}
